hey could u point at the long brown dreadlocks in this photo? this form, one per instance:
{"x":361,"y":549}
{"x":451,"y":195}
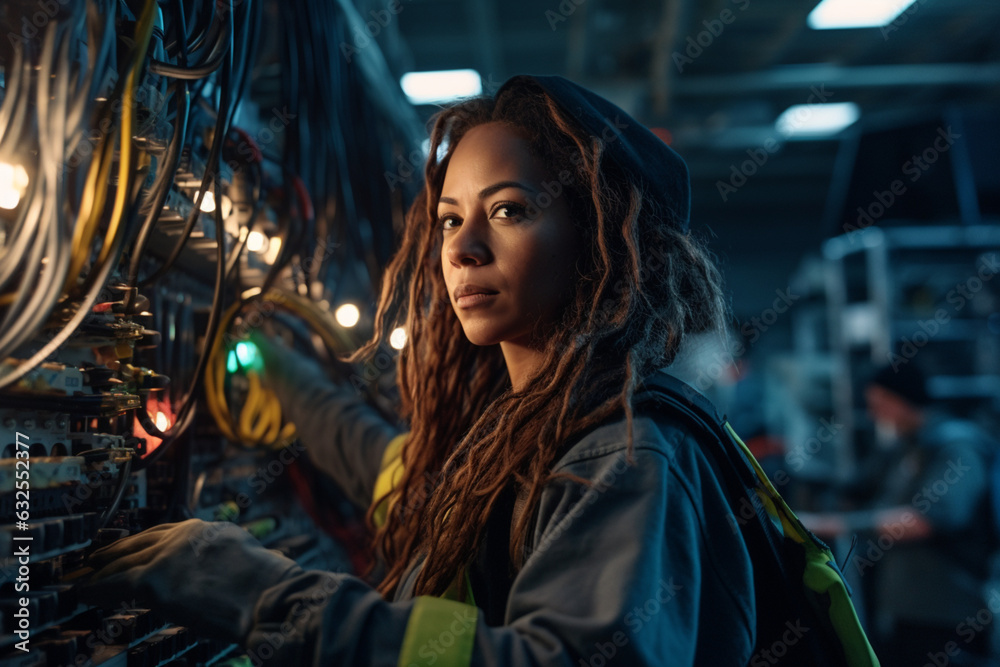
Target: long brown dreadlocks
{"x":644,"y":286}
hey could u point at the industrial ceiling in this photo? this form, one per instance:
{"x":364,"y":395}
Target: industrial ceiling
{"x":716,"y":74}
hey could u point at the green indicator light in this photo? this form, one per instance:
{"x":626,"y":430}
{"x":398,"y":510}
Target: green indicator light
{"x":248,"y":355}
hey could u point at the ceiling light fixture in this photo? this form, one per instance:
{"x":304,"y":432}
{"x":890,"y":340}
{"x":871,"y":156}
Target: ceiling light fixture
{"x":837,"y":14}
{"x":441,"y":86}
{"x":811,"y":121}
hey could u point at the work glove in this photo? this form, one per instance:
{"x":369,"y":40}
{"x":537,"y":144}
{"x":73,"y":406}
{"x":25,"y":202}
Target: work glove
{"x":205,"y":576}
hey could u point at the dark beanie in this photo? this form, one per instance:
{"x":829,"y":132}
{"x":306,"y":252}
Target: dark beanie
{"x":905,"y":380}
{"x":628,"y":143}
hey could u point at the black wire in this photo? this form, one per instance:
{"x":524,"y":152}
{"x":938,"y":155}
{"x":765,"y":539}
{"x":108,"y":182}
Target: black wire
{"x":248,"y":46}
{"x":178,"y":508}
{"x":234,"y":256}
{"x":208,"y":35}
{"x":186,"y":413}
{"x":150,"y":427}
{"x":164,"y":180}
{"x":221,"y":129}
{"x":182,"y":25}
{"x":124,"y":477}
{"x":187,"y":73}
{"x":197,"y":71}
{"x":284,"y":255}
{"x":200,"y":71}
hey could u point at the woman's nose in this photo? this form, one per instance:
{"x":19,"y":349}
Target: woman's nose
{"x":468,"y":244}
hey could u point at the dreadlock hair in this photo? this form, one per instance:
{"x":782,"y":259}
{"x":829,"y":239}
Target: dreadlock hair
{"x":645,"y":285}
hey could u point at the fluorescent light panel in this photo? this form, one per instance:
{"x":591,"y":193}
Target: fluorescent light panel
{"x":816,"y":120}
{"x":442,"y":86}
{"x":833,"y":14}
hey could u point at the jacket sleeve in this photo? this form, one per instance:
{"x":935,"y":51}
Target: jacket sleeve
{"x":953,"y":484}
{"x":344,"y":435}
{"x":619,"y":573}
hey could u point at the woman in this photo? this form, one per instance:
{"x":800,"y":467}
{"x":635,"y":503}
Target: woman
{"x":545,"y":273}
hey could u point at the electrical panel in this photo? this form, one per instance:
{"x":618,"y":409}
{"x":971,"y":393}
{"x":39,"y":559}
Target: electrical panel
{"x":174,"y":175}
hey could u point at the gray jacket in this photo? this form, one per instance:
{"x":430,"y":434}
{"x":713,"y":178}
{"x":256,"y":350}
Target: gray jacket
{"x":645,"y":567}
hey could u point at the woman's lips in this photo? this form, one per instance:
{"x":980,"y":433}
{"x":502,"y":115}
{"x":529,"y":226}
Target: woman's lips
{"x":473,"y":300}
{"x":470,"y":295}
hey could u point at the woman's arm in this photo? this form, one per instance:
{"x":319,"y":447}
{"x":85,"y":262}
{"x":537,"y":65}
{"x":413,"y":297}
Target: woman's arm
{"x":343,"y":434}
{"x":643,"y":568}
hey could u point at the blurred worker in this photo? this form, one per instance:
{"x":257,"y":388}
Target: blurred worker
{"x":935,"y":537}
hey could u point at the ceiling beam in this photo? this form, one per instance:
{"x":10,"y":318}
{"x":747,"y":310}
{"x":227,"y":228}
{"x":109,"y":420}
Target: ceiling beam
{"x":485,"y":21}
{"x":805,"y":76}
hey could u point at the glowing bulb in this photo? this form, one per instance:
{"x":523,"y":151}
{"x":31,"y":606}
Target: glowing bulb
{"x":347,"y":315}
{"x":162,"y":422}
{"x":397,"y":339}
{"x":256,"y":242}
{"x":273,"y":248}
{"x":13,"y":183}
{"x":207,"y":202}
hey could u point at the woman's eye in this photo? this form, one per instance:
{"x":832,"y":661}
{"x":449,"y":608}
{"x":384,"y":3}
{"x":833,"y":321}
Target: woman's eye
{"x":445,"y":222}
{"x":509,"y":210}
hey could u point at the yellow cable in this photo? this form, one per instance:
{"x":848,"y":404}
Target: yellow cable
{"x":260,"y":418}
{"x":215,"y":379}
{"x":252,"y":423}
{"x":143,"y":32}
{"x":259,"y":422}
{"x":95,"y":190}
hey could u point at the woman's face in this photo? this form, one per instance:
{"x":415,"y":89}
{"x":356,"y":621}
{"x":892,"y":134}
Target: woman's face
{"x":508,"y":245}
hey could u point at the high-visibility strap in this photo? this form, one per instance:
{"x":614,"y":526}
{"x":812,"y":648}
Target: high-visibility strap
{"x":821,"y":575}
{"x":440,"y":632}
{"x":390,"y":472}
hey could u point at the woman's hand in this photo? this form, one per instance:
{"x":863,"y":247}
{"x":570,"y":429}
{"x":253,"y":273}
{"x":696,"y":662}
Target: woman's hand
{"x":206,"y":576}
